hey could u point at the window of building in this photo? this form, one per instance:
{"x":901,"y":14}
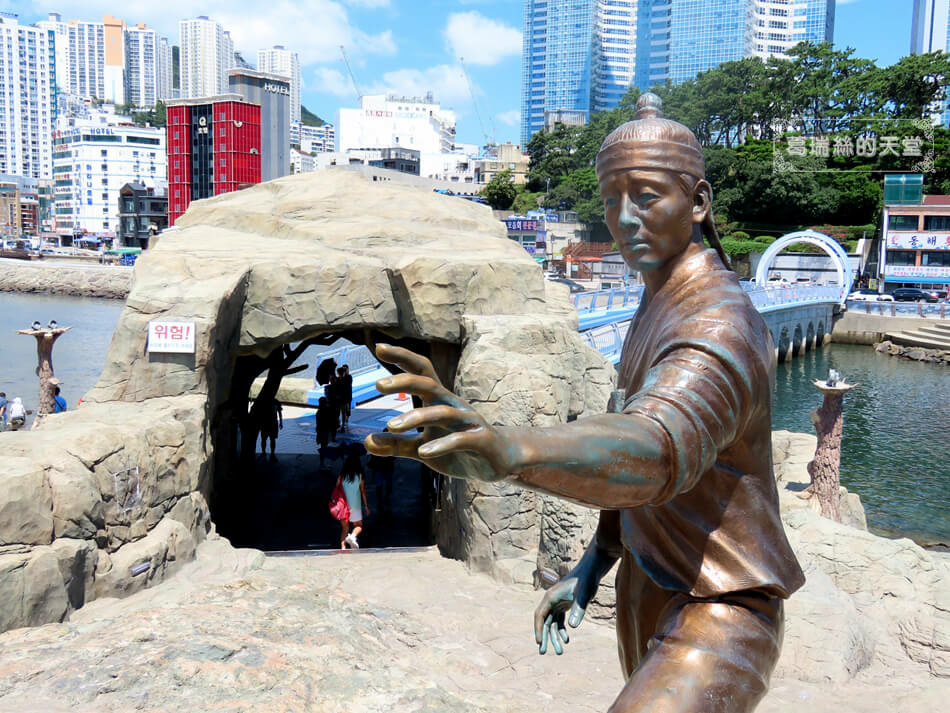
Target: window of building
{"x":937,"y":258}
{"x":937,"y":222}
{"x":902,"y":222}
{"x":901,"y":257}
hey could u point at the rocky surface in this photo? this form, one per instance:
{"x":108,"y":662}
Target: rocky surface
{"x":59,"y":279}
{"x":362,"y":632}
{"x":102,"y":501}
{"x":934,"y":356}
{"x":308,"y":255}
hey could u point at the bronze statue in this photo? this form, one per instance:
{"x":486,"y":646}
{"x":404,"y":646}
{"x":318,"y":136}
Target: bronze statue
{"x":682,"y":475}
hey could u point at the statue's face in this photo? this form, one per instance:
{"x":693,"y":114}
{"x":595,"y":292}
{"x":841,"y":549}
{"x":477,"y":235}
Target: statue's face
{"x":649,"y":215}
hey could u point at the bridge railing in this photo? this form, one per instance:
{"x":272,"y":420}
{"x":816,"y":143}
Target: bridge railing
{"x":769,"y":298}
{"x":608,"y":339}
{"x":359,"y":358}
{"x":601,"y":300}
{"x":901,"y":309}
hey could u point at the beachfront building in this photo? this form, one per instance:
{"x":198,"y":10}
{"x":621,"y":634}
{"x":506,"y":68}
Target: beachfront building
{"x":271,"y":92}
{"x":313,"y":139}
{"x":214,"y":147}
{"x":930,"y":32}
{"x":279,"y":60}
{"x":206,"y":53}
{"x":143,"y":213}
{"x":413,"y":123}
{"x":92,"y":160}
{"x":915,"y":244}
{"x":27,"y":102}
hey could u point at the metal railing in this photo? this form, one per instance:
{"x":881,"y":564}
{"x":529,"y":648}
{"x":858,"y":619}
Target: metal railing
{"x":608,"y":339}
{"x":767,"y":299}
{"x":359,"y":358}
{"x":605,"y":300}
{"x":931,"y":310}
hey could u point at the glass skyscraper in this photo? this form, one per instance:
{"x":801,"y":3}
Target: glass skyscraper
{"x":556,"y":59}
{"x":581,"y":56}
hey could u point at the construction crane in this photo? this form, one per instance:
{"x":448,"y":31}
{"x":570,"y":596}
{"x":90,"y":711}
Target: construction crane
{"x":359,"y":94}
{"x":489,"y":139}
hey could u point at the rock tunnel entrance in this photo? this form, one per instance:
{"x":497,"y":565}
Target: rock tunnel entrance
{"x":280,"y":502}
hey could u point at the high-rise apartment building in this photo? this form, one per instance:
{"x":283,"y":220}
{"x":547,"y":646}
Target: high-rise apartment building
{"x":278,"y":60}
{"x":110,"y":61}
{"x":214,"y":147}
{"x":27,"y":98}
{"x":206,"y":54}
{"x":149,"y":66}
{"x":581,"y":56}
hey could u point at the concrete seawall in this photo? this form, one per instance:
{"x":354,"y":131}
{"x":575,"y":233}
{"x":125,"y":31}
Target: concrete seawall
{"x":52,"y":278}
{"x":860,"y":328}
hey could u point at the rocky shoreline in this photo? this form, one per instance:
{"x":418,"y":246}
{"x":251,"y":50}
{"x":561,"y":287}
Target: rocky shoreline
{"x":932,"y":356}
{"x":109,"y":282}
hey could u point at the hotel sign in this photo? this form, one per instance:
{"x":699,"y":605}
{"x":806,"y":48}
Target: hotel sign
{"x":276,"y":88}
{"x":918,"y":241}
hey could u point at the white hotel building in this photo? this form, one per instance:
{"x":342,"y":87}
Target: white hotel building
{"x":415,"y":123}
{"x":27,"y":98}
{"x":92,"y":160}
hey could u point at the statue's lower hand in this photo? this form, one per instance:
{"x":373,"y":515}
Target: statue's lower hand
{"x":569,"y":597}
{"x":455,"y":439}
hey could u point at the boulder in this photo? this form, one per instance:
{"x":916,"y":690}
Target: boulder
{"x":26,"y":503}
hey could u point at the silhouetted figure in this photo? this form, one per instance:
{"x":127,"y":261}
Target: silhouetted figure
{"x":326,"y":425}
{"x":272,"y":420}
{"x":344,"y":387}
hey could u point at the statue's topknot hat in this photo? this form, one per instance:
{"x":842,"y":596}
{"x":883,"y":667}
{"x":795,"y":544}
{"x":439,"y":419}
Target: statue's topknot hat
{"x":651,"y":142}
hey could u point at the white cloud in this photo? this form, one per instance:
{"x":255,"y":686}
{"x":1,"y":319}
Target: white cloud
{"x":480,"y":40}
{"x":446,"y":82}
{"x":314,"y":29}
{"x":512,"y":117}
{"x":332,"y":81}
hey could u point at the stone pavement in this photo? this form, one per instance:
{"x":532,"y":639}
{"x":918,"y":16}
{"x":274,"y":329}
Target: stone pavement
{"x":359,"y":632}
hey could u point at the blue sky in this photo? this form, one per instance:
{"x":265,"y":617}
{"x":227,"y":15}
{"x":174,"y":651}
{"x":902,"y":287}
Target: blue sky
{"x":410,"y":46}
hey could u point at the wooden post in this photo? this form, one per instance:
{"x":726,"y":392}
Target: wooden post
{"x":825,"y":469}
{"x":45,"y":338}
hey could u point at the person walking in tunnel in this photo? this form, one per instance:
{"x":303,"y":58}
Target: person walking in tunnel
{"x":351,"y":478}
{"x":345,"y":393}
{"x":326,"y":426}
{"x":272,"y":420}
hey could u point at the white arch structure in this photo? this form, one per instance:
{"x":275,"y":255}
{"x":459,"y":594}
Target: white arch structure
{"x":832,"y":247}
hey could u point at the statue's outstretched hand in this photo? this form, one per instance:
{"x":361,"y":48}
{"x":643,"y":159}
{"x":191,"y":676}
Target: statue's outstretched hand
{"x":568,"y":599}
{"x":455,"y":440}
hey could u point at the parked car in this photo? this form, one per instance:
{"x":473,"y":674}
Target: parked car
{"x":914,"y":294}
{"x":866,"y":294}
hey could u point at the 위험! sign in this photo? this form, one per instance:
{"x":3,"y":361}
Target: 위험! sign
{"x":176,"y":337}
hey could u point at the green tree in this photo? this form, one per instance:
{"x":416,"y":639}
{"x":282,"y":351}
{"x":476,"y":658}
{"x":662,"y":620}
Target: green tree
{"x":308,"y":118}
{"x":500,"y":191}
{"x":525,"y":200}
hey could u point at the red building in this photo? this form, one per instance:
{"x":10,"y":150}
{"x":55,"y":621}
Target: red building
{"x":214,"y":147}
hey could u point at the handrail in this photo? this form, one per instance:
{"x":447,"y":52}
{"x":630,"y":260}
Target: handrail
{"x":599,"y":300}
